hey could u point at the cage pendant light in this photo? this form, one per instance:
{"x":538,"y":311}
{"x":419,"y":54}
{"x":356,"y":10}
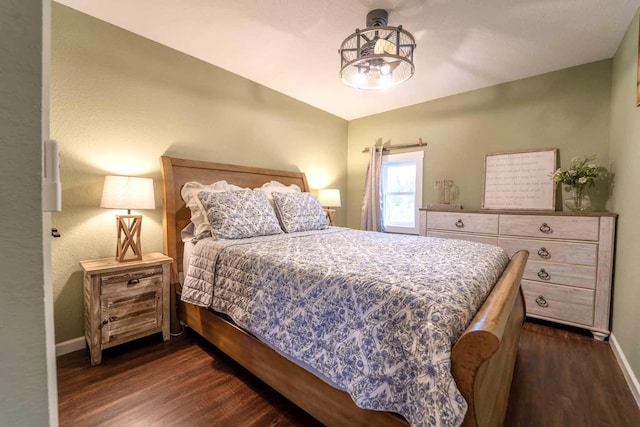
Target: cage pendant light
{"x":377,"y":57}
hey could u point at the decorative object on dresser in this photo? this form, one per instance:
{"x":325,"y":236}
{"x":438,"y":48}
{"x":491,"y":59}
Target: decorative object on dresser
{"x":126,"y":192}
{"x":581,"y":174}
{"x":330,"y":200}
{"x":569,"y":273}
{"x":520,"y":180}
{"x":123,"y":302}
{"x":447,"y":192}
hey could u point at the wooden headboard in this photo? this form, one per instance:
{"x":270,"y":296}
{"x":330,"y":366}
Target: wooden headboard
{"x":177,"y":172}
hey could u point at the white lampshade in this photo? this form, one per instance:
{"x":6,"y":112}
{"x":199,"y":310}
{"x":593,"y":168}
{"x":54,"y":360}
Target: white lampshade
{"x":126,"y":192}
{"x":330,"y":198}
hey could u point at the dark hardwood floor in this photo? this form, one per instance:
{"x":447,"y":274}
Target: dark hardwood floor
{"x":563,"y":378}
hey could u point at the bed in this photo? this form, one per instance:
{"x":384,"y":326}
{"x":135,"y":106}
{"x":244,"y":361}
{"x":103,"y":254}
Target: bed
{"x":482,"y":359}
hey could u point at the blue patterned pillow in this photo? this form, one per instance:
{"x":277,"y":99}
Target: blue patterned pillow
{"x":299,"y":212}
{"x":239,"y":214}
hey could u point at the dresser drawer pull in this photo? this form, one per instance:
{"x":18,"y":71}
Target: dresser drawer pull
{"x":544,"y":228}
{"x":544,"y":254}
{"x":459,"y":223}
{"x":543,"y":274}
{"x":542,"y":302}
{"x":133,"y":282}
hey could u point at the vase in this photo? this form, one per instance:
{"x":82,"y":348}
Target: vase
{"x":578,"y":202}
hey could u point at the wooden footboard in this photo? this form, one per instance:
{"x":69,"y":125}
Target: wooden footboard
{"x":483,"y":359}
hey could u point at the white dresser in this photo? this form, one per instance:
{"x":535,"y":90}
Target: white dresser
{"x":568,"y":275}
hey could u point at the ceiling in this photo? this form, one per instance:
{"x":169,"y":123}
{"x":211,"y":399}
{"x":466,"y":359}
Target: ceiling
{"x":291,"y":46}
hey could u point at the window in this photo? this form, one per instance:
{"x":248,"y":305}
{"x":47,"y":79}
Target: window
{"x":401,"y":185}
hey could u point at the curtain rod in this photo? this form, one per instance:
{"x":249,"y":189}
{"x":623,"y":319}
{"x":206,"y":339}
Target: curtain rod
{"x":396,"y":147}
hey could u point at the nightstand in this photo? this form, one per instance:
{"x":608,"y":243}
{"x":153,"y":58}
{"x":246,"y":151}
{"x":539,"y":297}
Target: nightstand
{"x":124,"y":301}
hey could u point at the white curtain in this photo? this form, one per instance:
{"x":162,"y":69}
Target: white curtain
{"x":371,"y":216}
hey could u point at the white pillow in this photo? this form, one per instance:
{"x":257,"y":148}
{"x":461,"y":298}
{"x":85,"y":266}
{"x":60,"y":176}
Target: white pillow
{"x":189,"y":193}
{"x":277,"y":187}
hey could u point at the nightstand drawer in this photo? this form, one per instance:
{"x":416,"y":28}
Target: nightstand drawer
{"x":563,"y":274}
{"x":125,"y":316}
{"x":553,"y":251}
{"x":550,"y":227}
{"x":461,"y":222}
{"x":559,"y":302}
{"x":479,"y":238}
{"x":131,"y":280}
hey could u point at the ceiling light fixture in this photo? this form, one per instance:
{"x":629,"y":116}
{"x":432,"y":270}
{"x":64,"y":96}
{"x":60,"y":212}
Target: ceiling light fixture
{"x":377,"y":57}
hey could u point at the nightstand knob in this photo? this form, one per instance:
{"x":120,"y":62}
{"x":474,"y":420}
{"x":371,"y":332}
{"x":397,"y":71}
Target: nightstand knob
{"x":133,"y":282}
{"x":459,"y":223}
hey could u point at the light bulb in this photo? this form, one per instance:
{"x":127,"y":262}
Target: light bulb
{"x":385,"y":69}
{"x":359,"y":79}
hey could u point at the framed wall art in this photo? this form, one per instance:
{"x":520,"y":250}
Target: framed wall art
{"x":520,"y":181}
{"x":638,"y":85}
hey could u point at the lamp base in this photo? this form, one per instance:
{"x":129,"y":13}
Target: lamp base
{"x":128,"y":237}
{"x":329,"y":213}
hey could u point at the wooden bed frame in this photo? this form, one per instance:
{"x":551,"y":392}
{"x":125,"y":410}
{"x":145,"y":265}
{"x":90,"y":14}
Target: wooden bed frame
{"x":483,"y":359}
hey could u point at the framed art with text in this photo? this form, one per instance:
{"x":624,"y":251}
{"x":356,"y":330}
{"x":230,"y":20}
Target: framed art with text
{"x":520,"y":181}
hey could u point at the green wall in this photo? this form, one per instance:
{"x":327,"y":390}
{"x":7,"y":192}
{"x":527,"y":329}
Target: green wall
{"x":120,"y":101}
{"x":567,"y":109}
{"x":625,"y":158}
{"x":27,"y":367}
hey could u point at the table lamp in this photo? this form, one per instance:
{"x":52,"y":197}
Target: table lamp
{"x":126,"y":192}
{"x":329,"y":199}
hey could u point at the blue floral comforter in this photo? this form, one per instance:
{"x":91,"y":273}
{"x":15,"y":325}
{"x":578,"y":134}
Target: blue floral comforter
{"x":373,"y":314}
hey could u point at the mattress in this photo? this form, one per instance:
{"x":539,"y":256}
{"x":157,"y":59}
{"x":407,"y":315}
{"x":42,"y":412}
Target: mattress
{"x":373,"y":314}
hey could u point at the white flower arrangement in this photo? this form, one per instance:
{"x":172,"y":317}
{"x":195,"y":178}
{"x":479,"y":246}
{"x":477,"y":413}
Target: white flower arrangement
{"x":582,"y":172}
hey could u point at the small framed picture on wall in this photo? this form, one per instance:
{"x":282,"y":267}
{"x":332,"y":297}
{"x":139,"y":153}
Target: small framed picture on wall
{"x":638,"y":85}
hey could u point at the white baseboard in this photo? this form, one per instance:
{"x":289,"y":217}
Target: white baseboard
{"x":70,"y":346}
{"x":631,"y":378}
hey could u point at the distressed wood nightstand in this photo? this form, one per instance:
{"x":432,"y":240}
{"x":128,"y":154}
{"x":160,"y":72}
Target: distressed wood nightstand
{"x":124,"y":301}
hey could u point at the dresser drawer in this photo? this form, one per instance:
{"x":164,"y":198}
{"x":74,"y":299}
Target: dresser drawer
{"x":553,"y":251}
{"x":559,"y":302}
{"x":466,"y":222}
{"x":131,"y":280}
{"x":478,"y":238}
{"x":562,"y":274}
{"x":550,"y":227}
